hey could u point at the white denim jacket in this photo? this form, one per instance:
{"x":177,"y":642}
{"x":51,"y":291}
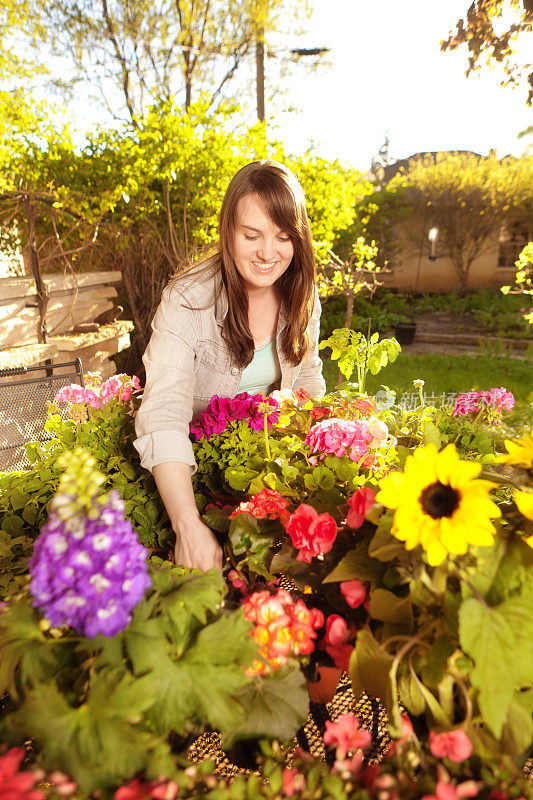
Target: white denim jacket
{"x":187,"y":362}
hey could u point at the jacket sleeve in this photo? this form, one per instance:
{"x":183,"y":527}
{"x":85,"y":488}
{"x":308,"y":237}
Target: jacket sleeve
{"x":310,"y":375}
{"x":162,"y":421}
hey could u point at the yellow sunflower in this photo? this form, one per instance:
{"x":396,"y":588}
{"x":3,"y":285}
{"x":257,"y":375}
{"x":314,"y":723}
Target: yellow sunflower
{"x":524,"y":503}
{"x":438,"y":504}
{"x":519,"y":452}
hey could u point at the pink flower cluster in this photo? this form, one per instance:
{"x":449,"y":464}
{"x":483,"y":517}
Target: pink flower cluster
{"x":497,"y":400}
{"x":244,"y":406}
{"x":95,"y":396}
{"x":266,"y":504}
{"x":348,"y":437}
{"x":283,"y":628}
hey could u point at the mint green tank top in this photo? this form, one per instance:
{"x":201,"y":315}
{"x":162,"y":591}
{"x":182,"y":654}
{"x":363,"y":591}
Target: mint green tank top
{"x":263,"y":373}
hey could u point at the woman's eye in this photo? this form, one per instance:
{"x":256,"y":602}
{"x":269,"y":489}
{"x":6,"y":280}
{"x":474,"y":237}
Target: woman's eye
{"x":284,"y":239}
{"x":250,"y":238}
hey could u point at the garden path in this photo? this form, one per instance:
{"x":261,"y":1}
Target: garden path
{"x":448,"y":332}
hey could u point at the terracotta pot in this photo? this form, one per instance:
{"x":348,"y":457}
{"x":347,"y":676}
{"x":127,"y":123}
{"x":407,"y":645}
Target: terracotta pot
{"x":323,"y":690}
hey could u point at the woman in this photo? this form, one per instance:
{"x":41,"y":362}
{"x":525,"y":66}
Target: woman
{"x":247,"y":319}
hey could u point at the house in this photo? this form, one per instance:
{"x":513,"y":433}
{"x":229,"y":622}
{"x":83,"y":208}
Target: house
{"x":425,"y":256}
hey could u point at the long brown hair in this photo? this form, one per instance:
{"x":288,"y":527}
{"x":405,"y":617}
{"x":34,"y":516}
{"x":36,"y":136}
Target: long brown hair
{"x":284,"y":202}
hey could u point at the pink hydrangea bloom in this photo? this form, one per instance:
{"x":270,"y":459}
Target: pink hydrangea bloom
{"x":346,"y":735}
{"x":360,"y":502}
{"x":497,"y":400}
{"x":501,"y":399}
{"x":454,"y":745}
{"x":340,"y":437}
{"x":78,"y":394}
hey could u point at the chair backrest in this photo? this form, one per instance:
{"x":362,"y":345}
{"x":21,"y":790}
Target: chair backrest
{"x":24,"y":407}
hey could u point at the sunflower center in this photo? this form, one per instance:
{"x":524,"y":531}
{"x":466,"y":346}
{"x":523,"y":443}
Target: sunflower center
{"x":439,"y":500}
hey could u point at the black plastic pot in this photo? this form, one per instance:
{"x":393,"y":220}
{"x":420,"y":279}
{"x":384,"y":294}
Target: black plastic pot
{"x":405,"y":332}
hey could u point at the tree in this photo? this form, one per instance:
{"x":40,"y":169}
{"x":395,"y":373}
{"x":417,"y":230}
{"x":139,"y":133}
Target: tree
{"x":139,"y":53}
{"x":491,"y":37}
{"x":468,"y":197}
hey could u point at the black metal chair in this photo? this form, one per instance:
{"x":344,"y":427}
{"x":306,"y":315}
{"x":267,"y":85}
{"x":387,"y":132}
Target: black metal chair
{"x":24,"y":407}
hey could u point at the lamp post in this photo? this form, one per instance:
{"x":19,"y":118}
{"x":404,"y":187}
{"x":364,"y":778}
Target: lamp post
{"x":433,"y":237}
{"x":300,"y":52}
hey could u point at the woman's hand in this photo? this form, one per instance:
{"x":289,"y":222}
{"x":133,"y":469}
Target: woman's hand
{"x":196,"y":546}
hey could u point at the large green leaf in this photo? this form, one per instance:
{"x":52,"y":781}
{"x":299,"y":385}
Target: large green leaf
{"x":196,"y":686}
{"x":356,"y":564}
{"x":276,"y":707}
{"x":388,"y":607}
{"x":500,"y":641}
{"x":27,"y":654}
{"x":370,"y":666}
{"x":99,"y":743}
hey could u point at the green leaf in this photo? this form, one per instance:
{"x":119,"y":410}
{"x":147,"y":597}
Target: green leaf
{"x":431,"y":434}
{"x":370,"y":666}
{"x":27,"y":655}
{"x":276,"y":707}
{"x":13,"y":524}
{"x":383,"y":546}
{"x":324,"y":477}
{"x":500,"y":641}
{"x":79,"y":740}
{"x":388,"y":607}
{"x":517,"y":732}
{"x":434,"y":665}
{"x":410,"y":695}
{"x":356,"y":564}
{"x":239,"y":478}
{"x":217,"y":518}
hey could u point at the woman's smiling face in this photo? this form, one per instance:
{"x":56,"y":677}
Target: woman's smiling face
{"x":261,"y":251}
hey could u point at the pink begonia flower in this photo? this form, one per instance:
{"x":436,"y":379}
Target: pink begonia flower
{"x":292,"y":781}
{"x":311,"y":533}
{"x":236,"y":581}
{"x":454,"y":745}
{"x":354,"y":592}
{"x":351,"y":765}
{"x":335,"y":641}
{"x":360,"y":503}
{"x":501,"y":399}
{"x":447,"y":791}
{"x":346,"y":735}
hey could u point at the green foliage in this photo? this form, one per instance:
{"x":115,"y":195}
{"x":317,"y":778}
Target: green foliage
{"x":178,"y":667}
{"x":353,"y":351}
{"x":108,"y":434}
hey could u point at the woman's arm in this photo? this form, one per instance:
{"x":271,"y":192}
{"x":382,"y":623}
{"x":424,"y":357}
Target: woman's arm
{"x":310,"y":376}
{"x":196,"y":545}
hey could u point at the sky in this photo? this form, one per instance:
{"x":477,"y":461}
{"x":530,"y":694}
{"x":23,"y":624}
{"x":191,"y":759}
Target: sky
{"x":388,"y":75}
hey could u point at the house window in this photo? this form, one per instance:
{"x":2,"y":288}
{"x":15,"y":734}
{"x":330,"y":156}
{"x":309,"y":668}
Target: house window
{"x":513,"y":238}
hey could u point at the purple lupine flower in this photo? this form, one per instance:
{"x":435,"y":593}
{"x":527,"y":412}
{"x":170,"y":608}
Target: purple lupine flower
{"x":88,"y":573}
{"x":222,"y":410}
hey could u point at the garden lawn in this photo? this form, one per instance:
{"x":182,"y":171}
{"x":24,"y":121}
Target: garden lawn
{"x":454,"y":373}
